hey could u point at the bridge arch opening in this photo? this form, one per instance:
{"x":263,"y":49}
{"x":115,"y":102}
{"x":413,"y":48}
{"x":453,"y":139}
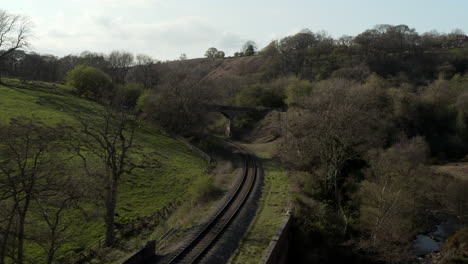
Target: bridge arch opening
{"x":230,"y":113}
{"x":229,"y":124}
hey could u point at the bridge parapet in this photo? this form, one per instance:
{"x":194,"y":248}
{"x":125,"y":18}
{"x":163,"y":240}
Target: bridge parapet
{"x":234,"y":110}
{"x":230,"y":112}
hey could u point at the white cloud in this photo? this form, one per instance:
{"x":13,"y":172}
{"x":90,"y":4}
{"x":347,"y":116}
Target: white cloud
{"x":155,"y":27}
{"x":120,"y":4}
{"x":231,"y":42}
{"x":166,"y":28}
{"x":99,"y":31}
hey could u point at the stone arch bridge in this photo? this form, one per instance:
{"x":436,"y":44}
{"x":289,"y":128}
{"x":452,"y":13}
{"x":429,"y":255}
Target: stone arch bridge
{"x":230,"y":112}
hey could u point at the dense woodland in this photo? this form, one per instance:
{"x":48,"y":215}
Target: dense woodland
{"x":363,"y":119}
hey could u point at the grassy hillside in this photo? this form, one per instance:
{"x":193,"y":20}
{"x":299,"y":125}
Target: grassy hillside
{"x":141,"y":194}
{"x":216,"y":69}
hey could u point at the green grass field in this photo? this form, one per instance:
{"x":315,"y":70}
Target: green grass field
{"x":271,"y":211}
{"x":141,"y":194}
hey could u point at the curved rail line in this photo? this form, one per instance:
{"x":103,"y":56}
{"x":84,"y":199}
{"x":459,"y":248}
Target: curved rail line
{"x":193,"y":251}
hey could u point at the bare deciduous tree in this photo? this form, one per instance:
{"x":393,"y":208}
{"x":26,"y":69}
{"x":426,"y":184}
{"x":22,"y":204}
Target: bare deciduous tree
{"x":120,"y":63}
{"x":341,"y":120}
{"x":109,"y":140}
{"x":52,"y":205}
{"x":177,"y":104}
{"x":389,"y":195}
{"x":15,"y":31}
{"x":29,"y":161}
{"x":145,"y":71}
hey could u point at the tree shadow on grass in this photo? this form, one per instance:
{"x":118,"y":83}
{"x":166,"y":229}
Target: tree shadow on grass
{"x":58,"y":99}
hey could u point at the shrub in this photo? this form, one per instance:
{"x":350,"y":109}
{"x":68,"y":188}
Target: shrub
{"x":90,"y":82}
{"x":203,"y":189}
{"x":358,"y":73}
{"x":260,"y":95}
{"x":297,"y":91}
{"x":455,"y":250}
{"x":128,"y":94}
{"x":394,"y":191}
{"x":140,"y":104}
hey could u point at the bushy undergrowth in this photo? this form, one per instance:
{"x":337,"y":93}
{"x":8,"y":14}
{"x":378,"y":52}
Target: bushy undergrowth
{"x":203,"y":189}
{"x":455,"y":250}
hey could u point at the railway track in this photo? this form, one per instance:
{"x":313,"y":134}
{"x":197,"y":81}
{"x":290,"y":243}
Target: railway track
{"x":194,"y":250}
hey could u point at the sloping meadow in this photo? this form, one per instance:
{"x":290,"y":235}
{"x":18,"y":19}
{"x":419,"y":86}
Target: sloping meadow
{"x":141,"y":194}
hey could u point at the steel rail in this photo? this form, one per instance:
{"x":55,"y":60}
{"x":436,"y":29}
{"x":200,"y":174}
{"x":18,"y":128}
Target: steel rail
{"x":193,"y":251}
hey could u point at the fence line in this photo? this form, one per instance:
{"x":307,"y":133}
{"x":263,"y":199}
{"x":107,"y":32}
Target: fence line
{"x":195,"y":149}
{"x":127,"y":230}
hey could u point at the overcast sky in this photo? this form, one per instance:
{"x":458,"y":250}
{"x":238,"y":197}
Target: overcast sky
{"x":166,"y":28}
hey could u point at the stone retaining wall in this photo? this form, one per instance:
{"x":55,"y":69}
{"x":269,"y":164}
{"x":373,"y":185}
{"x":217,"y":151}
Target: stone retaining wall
{"x":196,"y":150}
{"x":142,"y":255}
{"x":277,"y":250}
